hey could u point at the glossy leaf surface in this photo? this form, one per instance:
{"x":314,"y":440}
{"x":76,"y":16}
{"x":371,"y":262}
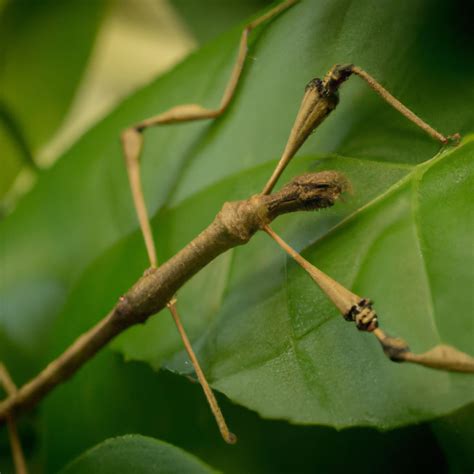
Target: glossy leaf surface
{"x":137,"y":454}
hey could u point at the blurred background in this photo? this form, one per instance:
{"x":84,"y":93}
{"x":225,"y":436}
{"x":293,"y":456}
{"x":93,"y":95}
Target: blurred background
{"x":85,"y":68}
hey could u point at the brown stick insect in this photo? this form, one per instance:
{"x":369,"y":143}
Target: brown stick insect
{"x":235,"y":225}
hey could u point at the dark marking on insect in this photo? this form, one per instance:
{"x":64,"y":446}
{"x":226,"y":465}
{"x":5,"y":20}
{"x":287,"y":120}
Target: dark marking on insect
{"x":363,"y":315}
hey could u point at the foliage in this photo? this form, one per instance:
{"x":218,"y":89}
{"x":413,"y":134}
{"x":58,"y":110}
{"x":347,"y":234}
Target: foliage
{"x":267,"y":337}
{"x":224,"y":15}
{"x":44,"y":50}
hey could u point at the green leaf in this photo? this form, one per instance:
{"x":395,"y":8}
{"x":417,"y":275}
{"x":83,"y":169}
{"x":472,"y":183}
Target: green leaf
{"x":286,"y":353}
{"x":212,"y":287}
{"x":224,"y":15}
{"x":72,"y":245}
{"x":112,"y":398}
{"x":137,"y":454}
{"x":44,"y":50}
{"x":11,"y":160}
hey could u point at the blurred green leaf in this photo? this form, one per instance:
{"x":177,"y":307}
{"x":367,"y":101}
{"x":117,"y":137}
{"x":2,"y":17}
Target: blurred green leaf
{"x":456,"y":434}
{"x":11,"y":161}
{"x":137,"y":454}
{"x":209,"y":18}
{"x":44,"y":49}
{"x":73,"y":247}
{"x":112,"y":398}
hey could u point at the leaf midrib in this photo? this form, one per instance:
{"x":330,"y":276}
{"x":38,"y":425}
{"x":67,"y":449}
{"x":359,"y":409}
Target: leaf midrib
{"x":417,"y":171}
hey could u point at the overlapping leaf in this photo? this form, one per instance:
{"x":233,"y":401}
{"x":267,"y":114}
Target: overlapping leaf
{"x":267,"y":336}
{"x":44,"y":49}
{"x":138,"y":454}
{"x":285,"y":352}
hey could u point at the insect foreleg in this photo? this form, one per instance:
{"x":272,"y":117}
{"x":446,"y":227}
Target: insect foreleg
{"x":321,"y":98}
{"x":132,"y":142}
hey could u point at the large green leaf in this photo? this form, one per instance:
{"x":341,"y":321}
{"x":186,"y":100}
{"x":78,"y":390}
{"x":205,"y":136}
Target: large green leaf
{"x":276,"y":344}
{"x":137,"y":454}
{"x":267,"y":336}
{"x":283,"y":352}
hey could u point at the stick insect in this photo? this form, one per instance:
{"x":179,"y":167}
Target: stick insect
{"x":311,"y":191}
{"x":318,"y":102}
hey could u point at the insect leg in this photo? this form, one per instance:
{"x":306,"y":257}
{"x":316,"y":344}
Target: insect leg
{"x":359,"y":310}
{"x":17,"y":452}
{"x":132,"y":142}
{"x":132,"y":137}
{"x":321,"y":98}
